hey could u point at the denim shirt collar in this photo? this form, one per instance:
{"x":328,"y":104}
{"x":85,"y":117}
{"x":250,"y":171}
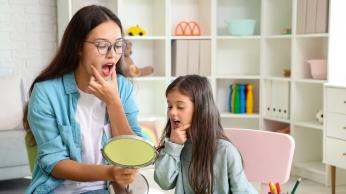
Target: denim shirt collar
{"x":70,"y":84}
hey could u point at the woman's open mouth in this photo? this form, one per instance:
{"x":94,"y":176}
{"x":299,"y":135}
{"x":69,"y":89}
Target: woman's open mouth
{"x":107,"y":69}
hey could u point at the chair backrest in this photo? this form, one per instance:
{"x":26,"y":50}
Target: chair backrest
{"x":267,"y":156}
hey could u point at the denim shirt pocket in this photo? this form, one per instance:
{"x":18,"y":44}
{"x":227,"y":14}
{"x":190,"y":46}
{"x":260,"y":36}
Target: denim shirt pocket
{"x":67,"y":137}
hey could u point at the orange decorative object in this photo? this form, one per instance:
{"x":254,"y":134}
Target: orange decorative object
{"x":187,"y":29}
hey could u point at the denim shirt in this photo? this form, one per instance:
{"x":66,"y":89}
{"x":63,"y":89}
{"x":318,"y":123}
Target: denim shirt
{"x":51,"y":115}
{"x":173,"y":163}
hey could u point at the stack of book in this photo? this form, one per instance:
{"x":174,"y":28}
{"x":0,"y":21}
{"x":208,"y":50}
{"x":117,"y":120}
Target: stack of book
{"x":191,"y":57}
{"x":277,"y":99}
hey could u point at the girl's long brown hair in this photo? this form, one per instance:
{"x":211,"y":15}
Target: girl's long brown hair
{"x":205,"y":130}
{"x":66,"y":59}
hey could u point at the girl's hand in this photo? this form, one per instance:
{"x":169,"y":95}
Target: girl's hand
{"x":107,"y":91}
{"x":179,"y":135}
{"x":123,"y":176}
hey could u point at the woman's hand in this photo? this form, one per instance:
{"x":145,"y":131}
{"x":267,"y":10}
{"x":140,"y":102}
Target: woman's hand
{"x":107,"y":91}
{"x":123,"y":176}
{"x":179,"y":135}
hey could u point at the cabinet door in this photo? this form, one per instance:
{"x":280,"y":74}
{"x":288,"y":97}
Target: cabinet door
{"x":336,"y":152}
{"x":336,"y":100}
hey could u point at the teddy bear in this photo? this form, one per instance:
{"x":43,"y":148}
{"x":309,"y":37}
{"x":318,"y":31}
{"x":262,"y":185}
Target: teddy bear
{"x":129,"y":68}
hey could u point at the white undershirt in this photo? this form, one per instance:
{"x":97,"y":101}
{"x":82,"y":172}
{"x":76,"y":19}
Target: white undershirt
{"x":91,"y":116}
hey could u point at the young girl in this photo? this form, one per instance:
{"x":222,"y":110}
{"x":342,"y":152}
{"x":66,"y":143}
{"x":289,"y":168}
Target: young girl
{"x":195,"y":155}
{"x":78,"y":102}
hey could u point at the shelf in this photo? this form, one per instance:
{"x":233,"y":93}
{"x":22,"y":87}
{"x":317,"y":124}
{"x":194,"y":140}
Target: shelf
{"x":150,"y":16}
{"x":237,"y":9}
{"x":278,"y":79}
{"x":144,"y":37}
{"x":323,"y":35}
{"x":307,"y":49}
{"x":227,"y":37}
{"x":245,"y":116}
{"x":276,"y":125}
{"x":283,"y":36}
{"x":223,"y":90}
{"x":276,"y":56}
{"x":307,"y":100}
{"x":191,"y":37}
{"x":277,"y":16}
{"x":245,"y":77}
{"x":310,"y":124}
{"x":259,"y":59}
{"x":191,"y":10}
{"x":311,"y":81}
{"x":313,"y":170}
{"x":309,"y":144}
{"x":277,"y":119}
{"x":237,"y":57}
{"x":150,"y":52}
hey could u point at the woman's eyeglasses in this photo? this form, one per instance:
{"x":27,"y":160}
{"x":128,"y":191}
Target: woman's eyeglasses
{"x":104,"y":46}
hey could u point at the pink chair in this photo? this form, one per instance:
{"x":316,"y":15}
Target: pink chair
{"x":267,"y":155}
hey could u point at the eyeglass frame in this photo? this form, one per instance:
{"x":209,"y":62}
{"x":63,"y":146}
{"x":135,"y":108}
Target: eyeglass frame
{"x":96,"y":42}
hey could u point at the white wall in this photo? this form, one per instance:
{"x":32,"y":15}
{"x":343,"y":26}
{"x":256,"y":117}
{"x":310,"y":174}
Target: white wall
{"x":28,"y":36}
{"x":337,"y":43}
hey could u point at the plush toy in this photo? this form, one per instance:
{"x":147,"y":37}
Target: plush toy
{"x":319,"y":116}
{"x":129,"y":68}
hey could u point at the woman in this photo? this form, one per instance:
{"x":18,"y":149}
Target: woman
{"x":77,"y":103}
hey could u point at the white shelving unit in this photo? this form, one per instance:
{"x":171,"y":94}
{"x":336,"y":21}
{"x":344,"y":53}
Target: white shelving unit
{"x":234,"y":59}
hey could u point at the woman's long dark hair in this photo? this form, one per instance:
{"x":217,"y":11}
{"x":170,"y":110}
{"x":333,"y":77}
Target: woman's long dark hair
{"x":205,"y":130}
{"x":66,"y":59}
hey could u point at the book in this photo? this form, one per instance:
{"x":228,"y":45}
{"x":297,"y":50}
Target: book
{"x":204,"y":57}
{"x":301,"y":16}
{"x":179,"y":57}
{"x":268,"y":98}
{"x":311,"y":8}
{"x":193,"y":57}
{"x":322,"y":16}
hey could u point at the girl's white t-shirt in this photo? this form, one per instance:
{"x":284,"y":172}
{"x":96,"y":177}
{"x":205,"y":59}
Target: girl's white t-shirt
{"x":90,"y":115}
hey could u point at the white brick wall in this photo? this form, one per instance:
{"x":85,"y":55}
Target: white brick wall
{"x":28,"y":36}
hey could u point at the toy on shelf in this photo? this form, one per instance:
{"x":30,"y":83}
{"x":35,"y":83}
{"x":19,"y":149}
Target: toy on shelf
{"x":233,"y":87}
{"x":129,"y":68}
{"x":286,"y":31}
{"x":230,"y":99}
{"x":249,"y":99}
{"x":136,"y":31}
{"x":286,"y":72}
{"x":185,"y":28}
{"x":237,"y":99}
{"x":240,"y":99}
{"x":319,"y":116}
